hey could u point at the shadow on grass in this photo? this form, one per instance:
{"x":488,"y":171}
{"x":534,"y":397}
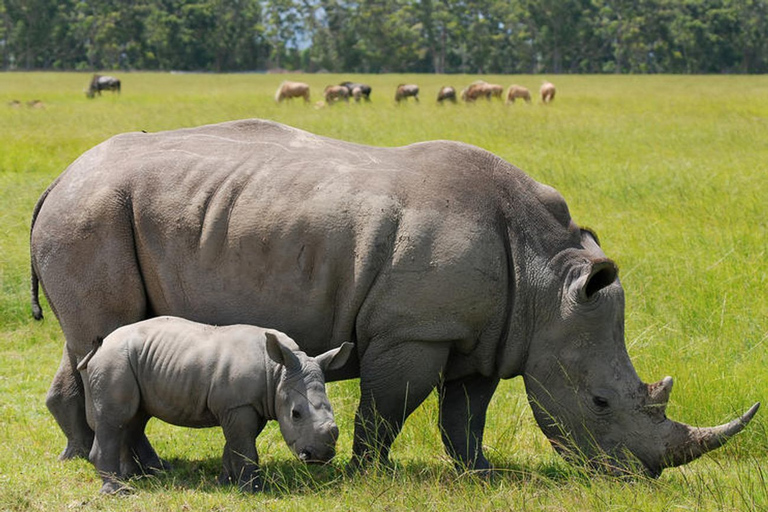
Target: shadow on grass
{"x":293,"y":478}
{"x":280,"y":478}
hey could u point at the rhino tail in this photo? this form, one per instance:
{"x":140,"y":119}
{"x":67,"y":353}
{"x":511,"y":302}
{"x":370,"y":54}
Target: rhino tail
{"x":37,"y":311}
{"x":83,"y":364}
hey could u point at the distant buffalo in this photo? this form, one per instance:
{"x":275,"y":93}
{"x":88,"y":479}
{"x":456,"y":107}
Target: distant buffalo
{"x":547,"y":92}
{"x":518,"y":91}
{"x":364,"y":90}
{"x":289,"y":90}
{"x":102,"y":83}
{"x":334,"y":93}
{"x":404,"y":91}
{"x":447,"y":93}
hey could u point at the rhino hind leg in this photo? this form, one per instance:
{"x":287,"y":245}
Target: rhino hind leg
{"x":395,"y":379}
{"x":66,"y":402}
{"x":463,"y":406}
{"x":138,"y":457}
{"x":105,"y":455}
{"x":86,"y":263}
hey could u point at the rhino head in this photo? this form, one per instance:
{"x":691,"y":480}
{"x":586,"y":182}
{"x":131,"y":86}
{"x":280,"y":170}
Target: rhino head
{"x":584,"y":391}
{"x":301,"y":405}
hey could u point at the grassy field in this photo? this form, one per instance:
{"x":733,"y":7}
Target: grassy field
{"x":672,"y":172}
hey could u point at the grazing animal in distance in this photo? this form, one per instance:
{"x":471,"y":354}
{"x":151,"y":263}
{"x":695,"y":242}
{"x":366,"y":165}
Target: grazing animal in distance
{"x":475,"y":90}
{"x":496,"y":91}
{"x":196,"y":375}
{"x":446,"y":93}
{"x":518,"y":91}
{"x":547,"y":91}
{"x":334,"y":93}
{"x":289,"y":90}
{"x":102,"y":83}
{"x":449,"y":268}
{"x":365,"y":89}
{"x":405,"y":91}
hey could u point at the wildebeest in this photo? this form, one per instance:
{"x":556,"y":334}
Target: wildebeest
{"x":518,"y":91}
{"x":197,"y":375}
{"x":365,"y":89}
{"x":334,"y":93}
{"x":289,"y":90}
{"x":481,"y":89}
{"x":547,"y":92}
{"x":448,"y":267}
{"x":404,"y":91}
{"x":102,"y":83}
{"x":446,"y":93}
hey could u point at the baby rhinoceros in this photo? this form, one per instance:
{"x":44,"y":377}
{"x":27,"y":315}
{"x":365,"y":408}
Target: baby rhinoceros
{"x":197,"y":375}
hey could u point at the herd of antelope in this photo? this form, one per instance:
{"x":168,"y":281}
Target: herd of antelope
{"x":357,"y":91}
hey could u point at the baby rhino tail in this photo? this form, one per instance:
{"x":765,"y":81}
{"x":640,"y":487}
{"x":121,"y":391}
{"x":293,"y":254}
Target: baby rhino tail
{"x":84,"y":363}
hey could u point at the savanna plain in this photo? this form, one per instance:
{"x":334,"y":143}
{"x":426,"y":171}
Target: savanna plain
{"x":670,"y":171}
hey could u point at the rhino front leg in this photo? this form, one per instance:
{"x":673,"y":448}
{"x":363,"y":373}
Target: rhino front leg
{"x":66,"y":401}
{"x":463,"y":405}
{"x":395,"y":379}
{"x":240,"y":461}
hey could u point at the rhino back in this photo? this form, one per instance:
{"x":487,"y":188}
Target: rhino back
{"x":189,"y":374}
{"x":255,"y":222}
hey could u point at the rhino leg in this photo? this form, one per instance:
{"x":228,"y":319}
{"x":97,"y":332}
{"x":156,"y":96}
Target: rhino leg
{"x":66,"y":401}
{"x":138,"y":457}
{"x":395,"y":379}
{"x":118,"y":419}
{"x":93,"y":283}
{"x":240,"y":461}
{"x":105,"y":455}
{"x":463,"y":405}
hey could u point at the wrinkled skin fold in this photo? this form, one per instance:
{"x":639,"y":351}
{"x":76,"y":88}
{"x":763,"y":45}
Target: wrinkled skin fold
{"x":449,"y":269}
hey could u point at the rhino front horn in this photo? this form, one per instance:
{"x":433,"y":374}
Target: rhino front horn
{"x":688,"y":443}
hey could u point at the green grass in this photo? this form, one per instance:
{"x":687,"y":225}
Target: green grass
{"x":672,"y":172}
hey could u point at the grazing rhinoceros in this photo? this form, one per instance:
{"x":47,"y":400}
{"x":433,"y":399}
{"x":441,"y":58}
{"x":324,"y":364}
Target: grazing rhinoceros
{"x":448,"y":267}
{"x":197,"y":375}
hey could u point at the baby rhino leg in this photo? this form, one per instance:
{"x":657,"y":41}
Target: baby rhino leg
{"x":138,"y":457}
{"x":115,"y":409}
{"x":240,"y":460}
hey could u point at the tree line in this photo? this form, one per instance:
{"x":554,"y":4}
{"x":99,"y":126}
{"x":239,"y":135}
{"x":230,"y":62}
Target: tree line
{"x":375,"y":36}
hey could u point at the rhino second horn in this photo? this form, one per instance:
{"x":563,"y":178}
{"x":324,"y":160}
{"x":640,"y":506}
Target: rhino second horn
{"x":689,"y":443}
{"x":658,"y":392}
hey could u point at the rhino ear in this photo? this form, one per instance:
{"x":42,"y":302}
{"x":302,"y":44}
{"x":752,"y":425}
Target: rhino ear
{"x":336,"y":358}
{"x":601,"y":273}
{"x":280,"y":353}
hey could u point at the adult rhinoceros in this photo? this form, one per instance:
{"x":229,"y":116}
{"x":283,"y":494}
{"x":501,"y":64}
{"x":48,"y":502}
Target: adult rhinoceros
{"x":447,"y":266}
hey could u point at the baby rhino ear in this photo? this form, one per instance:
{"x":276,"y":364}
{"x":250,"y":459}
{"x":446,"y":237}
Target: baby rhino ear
{"x":280,"y":353}
{"x":336,"y":358}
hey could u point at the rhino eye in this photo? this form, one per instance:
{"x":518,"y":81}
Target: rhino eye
{"x":600,"y":402}
{"x":295,"y":414}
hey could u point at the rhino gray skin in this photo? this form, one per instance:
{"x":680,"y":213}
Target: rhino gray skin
{"x":448,"y":267}
{"x":197,"y":375}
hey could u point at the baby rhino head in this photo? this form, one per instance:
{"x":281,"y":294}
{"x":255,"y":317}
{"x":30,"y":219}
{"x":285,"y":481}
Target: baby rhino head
{"x":302,"y":407}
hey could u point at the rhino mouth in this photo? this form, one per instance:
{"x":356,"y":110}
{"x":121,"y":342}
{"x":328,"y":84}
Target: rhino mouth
{"x":620,"y":462}
{"x":313,"y":455}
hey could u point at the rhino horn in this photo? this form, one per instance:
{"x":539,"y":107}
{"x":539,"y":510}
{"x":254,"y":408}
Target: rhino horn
{"x":686,"y":443}
{"x":658,"y":393}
